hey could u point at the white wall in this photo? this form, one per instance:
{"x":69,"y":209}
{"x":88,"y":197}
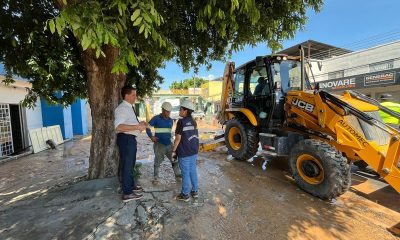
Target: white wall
{"x":357,"y":62}
{"x":11,"y":94}
{"x":14,"y":94}
{"x":34,"y":117}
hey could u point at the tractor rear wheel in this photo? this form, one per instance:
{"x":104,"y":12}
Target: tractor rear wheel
{"x":241,"y":139}
{"x":318,"y":168}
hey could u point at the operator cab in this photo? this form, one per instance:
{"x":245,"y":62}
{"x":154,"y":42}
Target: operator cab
{"x":262,"y":84}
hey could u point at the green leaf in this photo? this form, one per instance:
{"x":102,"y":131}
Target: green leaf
{"x":120,"y":10}
{"x":146,"y":33}
{"x":135,"y":15}
{"x":115,"y":69}
{"x":99,"y":33}
{"x":85,"y":42}
{"x":98,"y":51}
{"x":75,"y":25}
{"x":146,"y":17}
{"x":65,"y":2}
{"x":121,"y":30}
{"x":106,"y":38}
{"x":113,"y":40}
{"x":52,"y":26}
{"x":58,"y":25}
{"x":141,"y":28}
{"x":138,"y":21}
{"x":132,"y":59}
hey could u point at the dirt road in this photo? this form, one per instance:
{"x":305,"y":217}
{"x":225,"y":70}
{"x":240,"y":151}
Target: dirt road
{"x":238,"y":200}
{"x":243,"y":202}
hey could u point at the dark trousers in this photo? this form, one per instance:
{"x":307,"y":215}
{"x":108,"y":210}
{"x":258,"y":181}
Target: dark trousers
{"x":127,"y":151}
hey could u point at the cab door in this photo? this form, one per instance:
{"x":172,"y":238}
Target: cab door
{"x":259,"y":97}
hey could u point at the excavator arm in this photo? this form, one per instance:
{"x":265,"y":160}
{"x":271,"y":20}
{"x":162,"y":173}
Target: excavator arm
{"x":356,"y":133}
{"x":385,"y":160}
{"x":227,"y":88}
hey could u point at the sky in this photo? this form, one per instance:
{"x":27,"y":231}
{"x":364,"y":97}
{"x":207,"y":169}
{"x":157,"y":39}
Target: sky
{"x":350,"y":24}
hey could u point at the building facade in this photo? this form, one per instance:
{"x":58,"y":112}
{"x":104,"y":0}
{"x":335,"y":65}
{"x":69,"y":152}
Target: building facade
{"x":373,"y":71}
{"x":211,"y":92}
{"x":16,"y":120}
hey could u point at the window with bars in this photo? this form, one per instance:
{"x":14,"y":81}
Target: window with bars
{"x":6,"y":140}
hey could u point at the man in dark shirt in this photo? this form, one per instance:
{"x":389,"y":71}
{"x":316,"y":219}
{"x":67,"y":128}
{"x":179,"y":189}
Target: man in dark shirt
{"x":260,"y":86}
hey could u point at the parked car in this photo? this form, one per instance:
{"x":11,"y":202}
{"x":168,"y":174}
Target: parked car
{"x":175,"y":112}
{"x":198,"y":115}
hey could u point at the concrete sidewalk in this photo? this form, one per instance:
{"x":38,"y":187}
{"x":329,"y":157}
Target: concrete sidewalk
{"x":45,"y":196}
{"x":86,"y":210}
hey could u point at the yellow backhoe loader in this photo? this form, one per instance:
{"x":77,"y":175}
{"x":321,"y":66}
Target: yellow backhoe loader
{"x":271,"y":101}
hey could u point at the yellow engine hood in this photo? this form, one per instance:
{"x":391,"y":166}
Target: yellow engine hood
{"x":360,"y":105}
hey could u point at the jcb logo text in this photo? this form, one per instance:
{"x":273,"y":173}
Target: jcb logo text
{"x":303,"y":105}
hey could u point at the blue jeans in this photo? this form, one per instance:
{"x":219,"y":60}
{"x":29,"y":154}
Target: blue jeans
{"x":189,"y":174}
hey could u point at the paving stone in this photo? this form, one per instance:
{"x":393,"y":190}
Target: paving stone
{"x":142,"y":215}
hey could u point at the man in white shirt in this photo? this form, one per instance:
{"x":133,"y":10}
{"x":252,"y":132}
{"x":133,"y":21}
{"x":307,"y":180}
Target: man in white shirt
{"x":127,"y":127}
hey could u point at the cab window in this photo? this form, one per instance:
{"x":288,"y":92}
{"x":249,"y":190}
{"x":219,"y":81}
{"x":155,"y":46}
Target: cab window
{"x":239,"y":85}
{"x":287,"y":75}
{"x":258,"y":84}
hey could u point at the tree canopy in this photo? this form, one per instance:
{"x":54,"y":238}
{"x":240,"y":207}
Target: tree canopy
{"x":147,"y":33}
{"x":194,"y":82}
{"x":90,"y":48}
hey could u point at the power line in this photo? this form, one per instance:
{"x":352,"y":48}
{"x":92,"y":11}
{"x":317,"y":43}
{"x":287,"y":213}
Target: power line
{"x":374,"y":38}
{"x":356,"y":67}
{"x":338,"y":52}
{"x":364,"y":43}
{"x":370,"y":44}
{"x":350,"y":45}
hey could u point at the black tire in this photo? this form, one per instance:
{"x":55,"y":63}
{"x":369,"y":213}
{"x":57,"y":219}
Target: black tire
{"x":306,"y":170}
{"x":244,"y":139}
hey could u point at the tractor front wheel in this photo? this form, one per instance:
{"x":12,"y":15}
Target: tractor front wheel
{"x":318,"y":168}
{"x":241,"y":139}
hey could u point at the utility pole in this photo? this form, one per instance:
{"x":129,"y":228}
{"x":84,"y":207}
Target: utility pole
{"x":181,"y":88}
{"x":194,"y":85}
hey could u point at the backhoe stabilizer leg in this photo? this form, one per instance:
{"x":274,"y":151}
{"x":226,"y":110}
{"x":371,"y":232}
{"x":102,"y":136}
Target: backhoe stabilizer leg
{"x":391,"y":166}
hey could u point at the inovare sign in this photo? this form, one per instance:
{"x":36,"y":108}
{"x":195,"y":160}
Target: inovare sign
{"x":377,"y":79}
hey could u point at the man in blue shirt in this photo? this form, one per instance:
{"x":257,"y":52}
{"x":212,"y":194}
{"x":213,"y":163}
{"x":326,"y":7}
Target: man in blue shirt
{"x":162,"y":124}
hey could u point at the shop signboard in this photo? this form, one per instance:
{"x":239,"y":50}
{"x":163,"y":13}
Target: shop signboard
{"x":367,"y":80}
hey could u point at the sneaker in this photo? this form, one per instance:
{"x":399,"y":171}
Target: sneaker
{"x":130,"y":197}
{"x":137,"y":189}
{"x":182,"y":197}
{"x":194,"y":194}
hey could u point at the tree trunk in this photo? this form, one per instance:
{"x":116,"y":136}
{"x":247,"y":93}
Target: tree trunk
{"x":104,"y":94}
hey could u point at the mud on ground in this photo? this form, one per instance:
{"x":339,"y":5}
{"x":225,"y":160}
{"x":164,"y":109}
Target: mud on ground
{"x":45,"y":196}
